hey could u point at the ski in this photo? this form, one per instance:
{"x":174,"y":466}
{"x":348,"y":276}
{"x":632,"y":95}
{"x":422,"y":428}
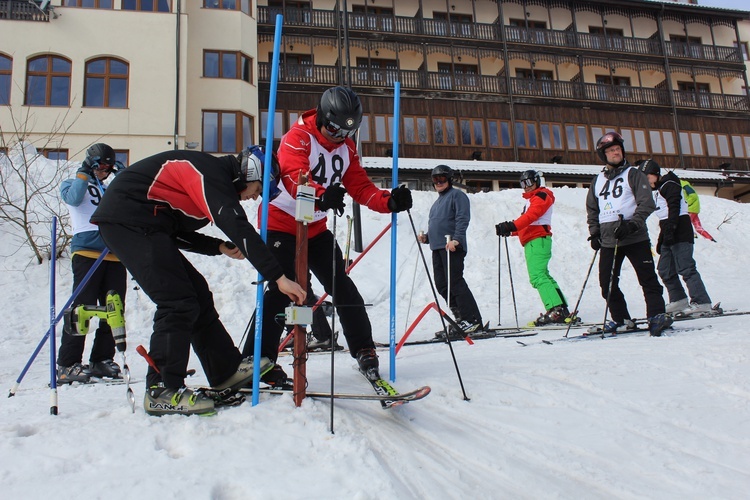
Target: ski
{"x":388,"y":396}
{"x":613,"y":335}
{"x":488,"y":334}
{"x":400,"y":397}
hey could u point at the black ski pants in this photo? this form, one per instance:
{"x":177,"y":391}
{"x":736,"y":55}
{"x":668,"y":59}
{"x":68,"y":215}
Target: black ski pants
{"x":185,"y":312}
{"x":640,"y":257}
{"x":110,"y":275}
{"x":461,"y":297}
{"x":350,"y":306}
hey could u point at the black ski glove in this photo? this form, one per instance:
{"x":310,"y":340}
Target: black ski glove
{"x":400,"y":199}
{"x":596,"y":242}
{"x":86,"y":168}
{"x":624,"y":229}
{"x":667,"y":233}
{"x":333,"y":199}
{"x":505,"y":228}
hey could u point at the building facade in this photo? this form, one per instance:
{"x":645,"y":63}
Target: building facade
{"x":533,"y":81}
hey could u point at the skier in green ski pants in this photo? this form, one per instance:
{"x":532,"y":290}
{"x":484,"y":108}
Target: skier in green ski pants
{"x":533,"y":229}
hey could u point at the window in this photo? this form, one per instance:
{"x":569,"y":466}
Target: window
{"x":123,"y":156}
{"x":364,"y":129}
{"x":577,"y":137}
{"x":415,"y":130}
{"x":6,"y":72}
{"x":635,"y":140}
{"x":278,"y":125}
{"x":221,"y":64}
{"x":106,"y":83}
{"x":691,"y":143}
{"x":48,"y":81}
{"x":55,"y":154}
{"x":472,"y":132}
{"x":243,"y":5}
{"x":598,"y":131}
{"x":551,"y":135}
{"x":147,"y":5}
{"x":743,"y":46}
{"x":226,"y":131}
{"x":662,"y":142}
{"x":717,"y":145}
{"x":526,"y":136}
{"x":498,"y":134}
{"x":383,"y":128}
{"x":741,"y":145}
{"x":444,"y":131}
{"x":89,"y":4}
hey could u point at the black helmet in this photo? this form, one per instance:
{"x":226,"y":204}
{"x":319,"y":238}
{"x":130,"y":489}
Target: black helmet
{"x":340,"y":112}
{"x":443,"y":170}
{"x":100,"y":153}
{"x":251,"y":161}
{"x":607,"y":140}
{"x":650,"y":167}
{"x":530,"y":177}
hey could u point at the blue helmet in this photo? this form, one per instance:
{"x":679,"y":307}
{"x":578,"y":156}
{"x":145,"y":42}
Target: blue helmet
{"x":252,"y":160}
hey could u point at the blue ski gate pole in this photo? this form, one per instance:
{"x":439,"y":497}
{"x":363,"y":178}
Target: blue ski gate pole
{"x":264,"y":210}
{"x":73,"y":297}
{"x":394,"y":233}
{"x":52,"y":322}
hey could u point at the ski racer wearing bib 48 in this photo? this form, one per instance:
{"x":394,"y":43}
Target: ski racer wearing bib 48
{"x":617,"y":205}
{"x":320,"y":146}
{"x":534,"y":230}
{"x":151,"y":212}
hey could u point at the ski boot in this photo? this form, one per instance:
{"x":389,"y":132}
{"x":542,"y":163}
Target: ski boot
{"x":160,"y":400}
{"x":74,"y":373}
{"x":105,"y":369}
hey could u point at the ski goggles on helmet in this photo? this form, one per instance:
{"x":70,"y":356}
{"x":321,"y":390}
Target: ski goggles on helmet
{"x":337,"y":132}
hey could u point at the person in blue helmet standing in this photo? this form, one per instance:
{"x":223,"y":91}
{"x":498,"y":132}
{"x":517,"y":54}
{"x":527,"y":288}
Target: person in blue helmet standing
{"x":82,"y":194}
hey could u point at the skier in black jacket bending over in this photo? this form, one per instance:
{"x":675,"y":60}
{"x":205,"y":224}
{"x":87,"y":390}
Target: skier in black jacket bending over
{"x":149,"y":214}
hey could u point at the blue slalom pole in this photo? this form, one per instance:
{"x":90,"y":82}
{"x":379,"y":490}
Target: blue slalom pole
{"x":52,"y":323}
{"x":394,"y":232}
{"x":264,"y":204}
{"x":73,"y":297}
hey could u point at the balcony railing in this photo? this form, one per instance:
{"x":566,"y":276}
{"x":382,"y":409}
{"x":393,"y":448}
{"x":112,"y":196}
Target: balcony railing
{"x":18,"y":10}
{"x":430,"y":81}
{"x":358,"y":22}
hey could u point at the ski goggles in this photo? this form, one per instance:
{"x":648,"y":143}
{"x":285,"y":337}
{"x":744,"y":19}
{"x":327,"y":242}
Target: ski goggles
{"x":337,"y":132}
{"x":439,"y":179}
{"x":526,"y":183}
{"x":102,"y":167}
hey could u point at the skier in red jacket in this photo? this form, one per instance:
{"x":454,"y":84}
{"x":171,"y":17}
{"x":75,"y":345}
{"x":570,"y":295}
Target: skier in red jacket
{"x":321,"y":147}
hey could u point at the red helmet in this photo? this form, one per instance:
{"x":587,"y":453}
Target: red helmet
{"x":607,"y":140}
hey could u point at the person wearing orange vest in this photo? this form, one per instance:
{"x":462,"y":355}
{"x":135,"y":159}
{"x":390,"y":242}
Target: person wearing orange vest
{"x":534,"y":231}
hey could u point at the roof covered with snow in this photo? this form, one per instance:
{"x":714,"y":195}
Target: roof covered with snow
{"x":466,"y":166}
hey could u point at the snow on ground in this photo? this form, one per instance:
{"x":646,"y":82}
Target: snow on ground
{"x":632,"y":417}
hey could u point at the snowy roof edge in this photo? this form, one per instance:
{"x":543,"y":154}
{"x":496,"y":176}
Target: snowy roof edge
{"x":425,"y":164}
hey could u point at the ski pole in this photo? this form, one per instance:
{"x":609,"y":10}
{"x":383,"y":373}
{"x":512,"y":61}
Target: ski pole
{"x":448,"y":275}
{"x":499,"y":288}
{"x":512,"y":289}
{"x":611,"y":279}
{"x":434,"y":294}
{"x":574,"y":315}
{"x":73,"y":297}
{"x":333,"y":315}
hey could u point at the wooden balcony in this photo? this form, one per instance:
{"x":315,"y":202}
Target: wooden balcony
{"x":540,"y":90}
{"x":21,"y":10}
{"x":364,"y":25}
